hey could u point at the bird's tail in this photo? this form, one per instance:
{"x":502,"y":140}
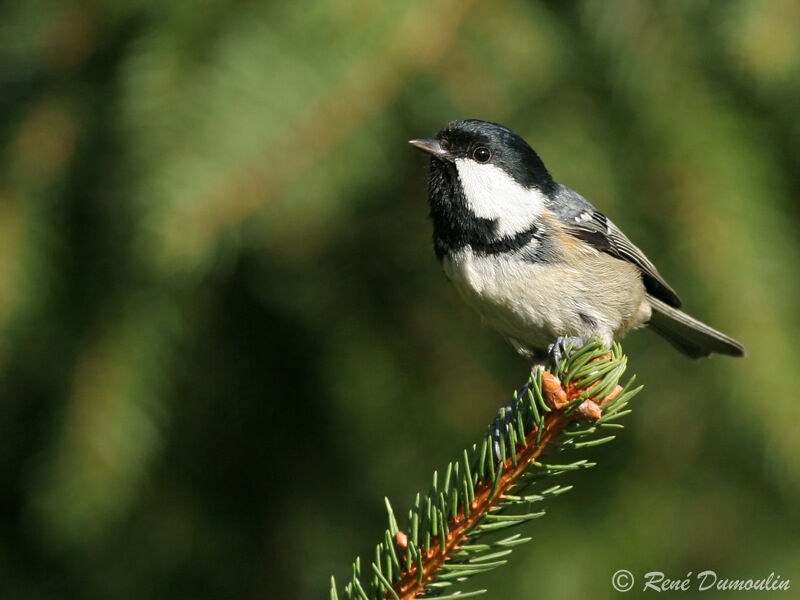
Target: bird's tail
{"x":690,"y":336}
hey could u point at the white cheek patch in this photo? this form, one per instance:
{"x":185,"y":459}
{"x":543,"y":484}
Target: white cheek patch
{"x":492,"y":194}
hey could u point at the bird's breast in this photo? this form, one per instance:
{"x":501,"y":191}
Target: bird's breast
{"x":534,"y":302}
{"x":513,"y":295}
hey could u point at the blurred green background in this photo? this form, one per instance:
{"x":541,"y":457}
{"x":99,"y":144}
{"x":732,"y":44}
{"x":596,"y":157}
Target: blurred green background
{"x":224,"y":337}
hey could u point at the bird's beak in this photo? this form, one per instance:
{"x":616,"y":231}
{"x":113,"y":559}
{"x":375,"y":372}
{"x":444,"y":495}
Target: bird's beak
{"x":433,"y":147}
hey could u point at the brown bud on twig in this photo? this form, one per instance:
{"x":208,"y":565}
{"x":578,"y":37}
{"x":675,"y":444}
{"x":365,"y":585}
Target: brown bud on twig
{"x":554,"y":394}
{"x":614,"y":393}
{"x":401,"y":539}
{"x":590,"y":410}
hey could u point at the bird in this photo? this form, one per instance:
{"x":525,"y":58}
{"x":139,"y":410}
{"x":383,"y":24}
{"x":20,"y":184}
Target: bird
{"x":536,"y":259}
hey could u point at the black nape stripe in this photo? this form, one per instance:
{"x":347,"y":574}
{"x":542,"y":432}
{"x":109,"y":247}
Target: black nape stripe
{"x":507,"y":243}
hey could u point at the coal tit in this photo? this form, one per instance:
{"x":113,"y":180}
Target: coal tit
{"x":541,"y":264}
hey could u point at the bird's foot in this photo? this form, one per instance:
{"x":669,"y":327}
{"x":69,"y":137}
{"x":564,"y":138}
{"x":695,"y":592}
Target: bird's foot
{"x":499,"y":427}
{"x":502,"y":422}
{"x":564,"y":347}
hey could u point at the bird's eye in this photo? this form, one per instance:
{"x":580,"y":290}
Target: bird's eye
{"x":481,"y":154}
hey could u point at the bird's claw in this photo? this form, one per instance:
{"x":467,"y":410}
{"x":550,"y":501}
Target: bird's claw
{"x":556,"y":353}
{"x":499,"y":428}
{"x":564,"y":347}
{"x":502,"y":422}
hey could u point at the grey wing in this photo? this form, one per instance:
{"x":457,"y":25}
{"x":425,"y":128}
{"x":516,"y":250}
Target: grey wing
{"x":585,"y":222}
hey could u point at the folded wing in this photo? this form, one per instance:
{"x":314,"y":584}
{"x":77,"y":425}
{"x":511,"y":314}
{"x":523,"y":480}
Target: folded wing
{"x":585,"y":222}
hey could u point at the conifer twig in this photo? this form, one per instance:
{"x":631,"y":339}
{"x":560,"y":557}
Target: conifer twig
{"x":561,"y":409}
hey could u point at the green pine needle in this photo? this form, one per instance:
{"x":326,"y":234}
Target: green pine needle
{"x":450,"y":530}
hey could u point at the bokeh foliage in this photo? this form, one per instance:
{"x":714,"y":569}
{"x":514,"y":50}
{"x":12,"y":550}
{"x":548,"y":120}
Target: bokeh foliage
{"x":223,"y":334}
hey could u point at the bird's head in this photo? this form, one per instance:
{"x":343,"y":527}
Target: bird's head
{"x":490,"y":169}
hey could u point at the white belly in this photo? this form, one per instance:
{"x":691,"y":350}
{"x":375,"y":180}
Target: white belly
{"x":532,"y":304}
